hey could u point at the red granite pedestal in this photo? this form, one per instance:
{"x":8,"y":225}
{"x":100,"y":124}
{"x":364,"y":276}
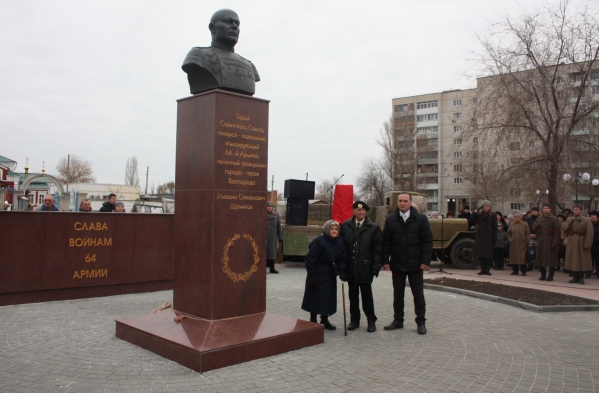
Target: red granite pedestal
{"x":220,"y":243}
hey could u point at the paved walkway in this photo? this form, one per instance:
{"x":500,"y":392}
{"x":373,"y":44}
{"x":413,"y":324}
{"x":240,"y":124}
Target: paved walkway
{"x":589,"y":290}
{"x":472,"y":345}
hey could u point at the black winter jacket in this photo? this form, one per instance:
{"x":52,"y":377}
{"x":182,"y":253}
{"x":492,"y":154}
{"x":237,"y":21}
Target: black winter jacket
{"x":595,"y":246}
{"x":107,"y":207}
{"x":407,"y":245}
{"x":364,"y":252}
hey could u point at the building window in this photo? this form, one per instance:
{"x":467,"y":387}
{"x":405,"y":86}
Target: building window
{"x":428,"y":117}
{"x":531,"y":144}
{"x":457,"y":154}
{"x":427,"y":104}
{"x":514,"y":131}
{"x":457,"y":115}
{"x":457,"y":141}
{"x":514,"y":146}
{"x":515,"y":191}
{"x":594,"y":89}
{"x":432,"y":193}
{"x":515,"y":161}
{"x":475,"y":100}
{"x":457,"y":128}
{"x":457,"y":168}
{"x":595,"y":74}
{"x":475,"y":167}
{"x":432,"y":142}
{"x":40,"y":199}
{"x":404,"y":108}
{"x":576,"y":77}
{"x":517,"y":206}
{"x":475,"y":140}
{"x":457,"y":102}
{"x":457,"y":180}
{"x":474,"y":113}
{"x":475,"y":154}
{"x":475,"y":127}
{"x":428,"y":130}
{"x":433,"y":206}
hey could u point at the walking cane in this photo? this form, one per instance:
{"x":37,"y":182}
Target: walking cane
{"x":344,"y":314}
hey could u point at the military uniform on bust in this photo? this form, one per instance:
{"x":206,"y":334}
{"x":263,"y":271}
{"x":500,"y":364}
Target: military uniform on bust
{"x":363,"y":240}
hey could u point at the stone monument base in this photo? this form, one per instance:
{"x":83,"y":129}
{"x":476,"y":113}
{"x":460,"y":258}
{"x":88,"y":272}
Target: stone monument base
{"x":203,"y":345}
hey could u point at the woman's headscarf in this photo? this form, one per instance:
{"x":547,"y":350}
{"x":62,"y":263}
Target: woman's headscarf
{"x":326,"y":228}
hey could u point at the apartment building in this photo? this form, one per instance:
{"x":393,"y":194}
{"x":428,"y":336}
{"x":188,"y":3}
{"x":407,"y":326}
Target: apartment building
{"x":452,"y":147}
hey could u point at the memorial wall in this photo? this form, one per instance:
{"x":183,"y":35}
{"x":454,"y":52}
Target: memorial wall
{"x":47,"y":256}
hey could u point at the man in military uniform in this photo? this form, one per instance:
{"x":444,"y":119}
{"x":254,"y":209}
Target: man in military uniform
{"x":273,"y":237}
{"x":580,"y":240}
{"x":363,"y":241}
{"x":218,"y":66}
{"x":548,"y":230}
{"x":485,"y":222}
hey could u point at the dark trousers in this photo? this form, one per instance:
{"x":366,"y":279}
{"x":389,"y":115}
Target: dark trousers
{"x":485,"y":264}
{"x":367,"y":301}
{"x":270,"y":263}
{"x":416,"y":279}
{"x":522,"y":268}
{"x":498,"y":257}
{"x":595,"y":258}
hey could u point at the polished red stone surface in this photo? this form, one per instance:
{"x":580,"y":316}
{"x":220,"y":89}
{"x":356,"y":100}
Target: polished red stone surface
{"x":68,"y":255}
{"x":220,"y":225}
{"x":204,"y":345}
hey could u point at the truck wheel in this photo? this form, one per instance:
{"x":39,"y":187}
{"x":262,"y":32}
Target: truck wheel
{"x":462,"y":254}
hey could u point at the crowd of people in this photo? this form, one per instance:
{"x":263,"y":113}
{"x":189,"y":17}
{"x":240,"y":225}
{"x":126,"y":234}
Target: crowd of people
{"x":109,"y":206}
{"x":540,"y":239}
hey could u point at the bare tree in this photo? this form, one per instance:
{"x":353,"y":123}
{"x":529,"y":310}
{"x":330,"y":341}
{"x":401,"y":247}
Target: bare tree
{"x":75,"y":170}
{"x":131,"y":172}
{"x":374,"y":181}
{"x":166,"y":188}
{"x":323,"y":189}
{"x":402,"y":151}
{"x":539,"y":100}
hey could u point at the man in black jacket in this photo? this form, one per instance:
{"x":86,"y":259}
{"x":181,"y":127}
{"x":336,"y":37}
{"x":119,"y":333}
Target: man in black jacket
{"x":485,"y":222}
{"x":407,"y":252}
{"x":109,"y":205}
{"x":363,"y":241}
{"x":594,"y":216}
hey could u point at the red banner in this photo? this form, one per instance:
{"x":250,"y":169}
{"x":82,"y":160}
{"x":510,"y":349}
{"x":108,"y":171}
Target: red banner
{"x":343,"y":202}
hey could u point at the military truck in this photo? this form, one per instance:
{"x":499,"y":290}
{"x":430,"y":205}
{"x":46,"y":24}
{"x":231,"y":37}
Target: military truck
{"x":453,"y":242}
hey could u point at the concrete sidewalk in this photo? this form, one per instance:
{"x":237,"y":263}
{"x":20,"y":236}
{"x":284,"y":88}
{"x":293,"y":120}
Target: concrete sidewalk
{"x":472,"y":345}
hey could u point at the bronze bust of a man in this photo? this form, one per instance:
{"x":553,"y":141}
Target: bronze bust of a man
{"x":218,"y":66}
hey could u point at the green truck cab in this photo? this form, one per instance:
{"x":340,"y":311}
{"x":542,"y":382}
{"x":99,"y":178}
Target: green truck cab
{"x":453,"y":242}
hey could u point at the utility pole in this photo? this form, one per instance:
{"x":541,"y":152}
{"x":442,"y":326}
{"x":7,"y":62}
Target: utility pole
{"x":147,"y":172}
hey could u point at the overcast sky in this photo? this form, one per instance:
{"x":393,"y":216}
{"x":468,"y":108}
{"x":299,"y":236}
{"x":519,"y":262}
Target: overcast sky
{"x":100,"y":79}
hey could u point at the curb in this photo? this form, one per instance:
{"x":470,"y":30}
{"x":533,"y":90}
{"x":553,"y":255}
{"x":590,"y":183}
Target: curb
{"x":513,"y":303}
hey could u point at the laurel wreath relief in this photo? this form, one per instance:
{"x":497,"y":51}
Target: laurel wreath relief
{"x":237,"y":277}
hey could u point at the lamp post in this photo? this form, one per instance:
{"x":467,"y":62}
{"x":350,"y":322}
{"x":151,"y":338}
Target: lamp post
{"x":584,"y":177}
{"x":538,"y":192}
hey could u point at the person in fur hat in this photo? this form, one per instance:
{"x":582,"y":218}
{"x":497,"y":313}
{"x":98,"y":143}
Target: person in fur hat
{"x":580,"y":240}
{"x":547,"y":228}
{"x":485,"y":222}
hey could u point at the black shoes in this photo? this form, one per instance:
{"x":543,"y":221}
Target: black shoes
{"x":313,"y":317}
{"x":487,"y":272}
{"x":542,"y":278}
{"x":371,"y":327}
{"x":394,"y":325}
{"x":513,"y":273}
{"x":353,"y":325}
{"x":327,"y":325}
{"x":549,"y":278}
{"x":421,"y":329}
{"x":574,"y":281}
{"x":272,"y":270}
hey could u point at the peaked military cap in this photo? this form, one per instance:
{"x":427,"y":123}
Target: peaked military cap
{"x":361,"y":205}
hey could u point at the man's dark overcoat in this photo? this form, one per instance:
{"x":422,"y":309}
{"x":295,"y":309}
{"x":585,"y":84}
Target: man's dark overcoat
{"x":326,"y":256}
{"x":408,"y":244}
{"x":274,"y":235}
{"x":547,"y":228}
{"x":364,"y":252}
{"x":486,"y":233}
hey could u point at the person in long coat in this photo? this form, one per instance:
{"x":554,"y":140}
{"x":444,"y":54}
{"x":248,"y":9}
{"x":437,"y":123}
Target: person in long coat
{"x":518,"y":235}
{"x":325,"y":258}
{"x":580,"y":240}
{"x":548,"y":230}
{"x":273,"y":237}
{"x":485,"y":222}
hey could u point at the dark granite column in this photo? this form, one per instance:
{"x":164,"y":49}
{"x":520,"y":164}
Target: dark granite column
{"x":220,"y":243}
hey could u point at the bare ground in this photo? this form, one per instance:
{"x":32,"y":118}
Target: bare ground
{"x":528,"y":295}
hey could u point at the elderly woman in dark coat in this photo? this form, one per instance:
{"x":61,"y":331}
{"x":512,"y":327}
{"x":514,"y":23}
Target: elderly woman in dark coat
{"x":518,"y":234}
{"x":325,"y":258}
